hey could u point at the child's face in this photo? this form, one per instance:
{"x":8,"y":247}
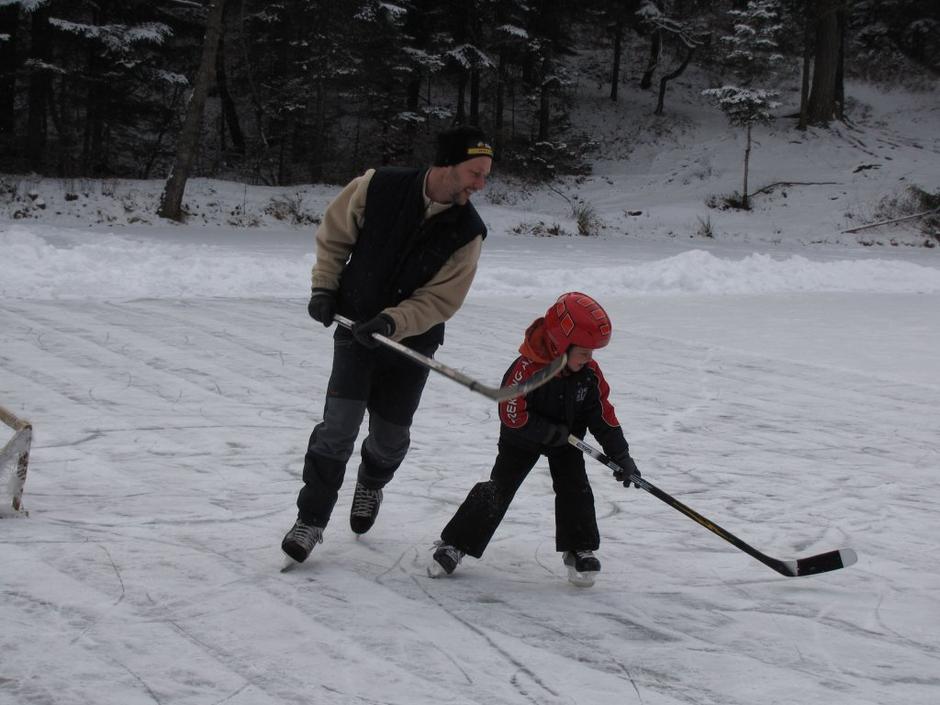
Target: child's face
{"x":578,"y":357}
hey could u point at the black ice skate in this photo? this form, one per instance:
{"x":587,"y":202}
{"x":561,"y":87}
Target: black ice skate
{"x":365,"y":508}
{"x":582,"y":566}
{"x":445,"y":560}
{"x":299,"y":542}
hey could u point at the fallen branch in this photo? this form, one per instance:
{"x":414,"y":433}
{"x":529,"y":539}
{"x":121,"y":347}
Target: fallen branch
{"x":892,"y":220}
{"x":552,"y":188}
{"x":794,"y":183}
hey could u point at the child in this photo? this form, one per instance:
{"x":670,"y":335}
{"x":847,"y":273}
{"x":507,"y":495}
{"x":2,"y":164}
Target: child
{"x":539,"y":424}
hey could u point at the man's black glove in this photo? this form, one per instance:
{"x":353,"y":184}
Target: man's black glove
{"x":322,"y":306}
{"x":381,"y":324}
{"x":556,"y":435}
{"x":628,"y":468}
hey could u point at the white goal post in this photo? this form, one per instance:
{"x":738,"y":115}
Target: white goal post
{"x":14,"y":461}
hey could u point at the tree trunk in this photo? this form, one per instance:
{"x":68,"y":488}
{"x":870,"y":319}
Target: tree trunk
{"x":164,"y":127}
{"x":412,"y":102}
{"x":282,"y":152}
{"x":822,"y":99}
{"x":618,"y":55}
{"x":656,"y":48}
{"x":544,"y":101}
{"x":474,"y":96}
{"x":675,"y":74}
{"x":808,"y":49}
{"x":320,"y":137}
{"x":39,"y":86}
{"x":92,"y":157}
{"x":229,"y":112}
{"x":65,"y":162}
{"x":840,"y":66}
{"x":499,"y":102}
{"x":248,"y":72}
{"x":9,"y":22}
{"x":460,"y":114}
{"x":188,"y":143}
{"x":512,"y":111}
{"x":747,"y":162}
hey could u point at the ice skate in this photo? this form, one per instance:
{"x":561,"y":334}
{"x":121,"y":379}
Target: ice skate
{"x":444,"y":561}
{"x":299,"y":542}
{"x":365,"y":508}
{"x":583,"y":567}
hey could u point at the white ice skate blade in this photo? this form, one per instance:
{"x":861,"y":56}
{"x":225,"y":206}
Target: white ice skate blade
{"x":436,"y":570}
{"x":585,"y":579}
{"x":289,"y":564}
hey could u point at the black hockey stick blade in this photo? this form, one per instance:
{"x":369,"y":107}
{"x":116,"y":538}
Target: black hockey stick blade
{"x":811,"y":565}
{"x":824,"y":562}
{"x":495,"y":393}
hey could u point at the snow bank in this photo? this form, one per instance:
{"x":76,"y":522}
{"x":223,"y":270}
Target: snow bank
{"x":33,"y":267}
{"x":47,"y":263}
{"x":699,"y":272}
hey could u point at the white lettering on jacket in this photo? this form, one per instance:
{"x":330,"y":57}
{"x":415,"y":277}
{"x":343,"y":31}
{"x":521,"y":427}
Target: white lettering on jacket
{"x":512,"y":412}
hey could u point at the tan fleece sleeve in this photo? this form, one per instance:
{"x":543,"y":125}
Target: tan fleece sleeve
{"x":339,"y":231}
{"x":439,"y":299}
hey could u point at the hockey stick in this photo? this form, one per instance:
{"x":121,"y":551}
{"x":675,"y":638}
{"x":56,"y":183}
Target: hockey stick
{"x":821,"y":563}
{"x":494,"y":393}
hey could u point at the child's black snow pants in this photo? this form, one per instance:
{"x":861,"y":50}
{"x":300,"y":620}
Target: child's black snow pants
{"x":475,"y":522}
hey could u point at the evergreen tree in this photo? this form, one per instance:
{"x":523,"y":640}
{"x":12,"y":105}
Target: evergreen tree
{"x":379,"y":77}
{"x":509,"y":42}
{"x":104,"y":50}
{"x":752,"y":54}
{"x":891,"y":35}
{"x":549,"y":23}
{"x":89,"y":76}
{"x":297,"y":56}
{"x":9,"y":29}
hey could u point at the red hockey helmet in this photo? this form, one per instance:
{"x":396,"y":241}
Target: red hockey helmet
{"x":576,"y":319}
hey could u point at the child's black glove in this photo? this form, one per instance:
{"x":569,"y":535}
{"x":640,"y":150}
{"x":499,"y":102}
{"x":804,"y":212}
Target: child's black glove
{"x":556,"y":435}
{"x":381,"y":324}
{"x":628,"y":468}
{"x":322,"y":306}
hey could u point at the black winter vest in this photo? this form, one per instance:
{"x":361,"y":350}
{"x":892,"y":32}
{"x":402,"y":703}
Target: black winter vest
{"x":397,"y":251}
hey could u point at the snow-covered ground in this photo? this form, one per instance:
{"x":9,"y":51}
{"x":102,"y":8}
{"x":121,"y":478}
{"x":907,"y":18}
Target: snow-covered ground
{"x":785,"y":390}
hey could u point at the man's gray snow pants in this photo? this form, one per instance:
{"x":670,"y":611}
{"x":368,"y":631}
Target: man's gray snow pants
{"x":388,"y":386}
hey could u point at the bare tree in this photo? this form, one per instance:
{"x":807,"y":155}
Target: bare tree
{"x":188,"y":143}
{"x":662,"y":26}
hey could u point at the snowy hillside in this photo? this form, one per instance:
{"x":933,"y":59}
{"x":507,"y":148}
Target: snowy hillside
{"x":653,"y":177}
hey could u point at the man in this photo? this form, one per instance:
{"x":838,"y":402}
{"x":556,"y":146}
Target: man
{"x":397,"y":251}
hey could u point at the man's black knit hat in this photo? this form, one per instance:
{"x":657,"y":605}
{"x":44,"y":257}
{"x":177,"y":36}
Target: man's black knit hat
{"x":461,"y":143}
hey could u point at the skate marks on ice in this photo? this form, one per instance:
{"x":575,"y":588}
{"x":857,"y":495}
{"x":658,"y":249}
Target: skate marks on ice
{"x":167,"y":464}
{"x":796,"y":457}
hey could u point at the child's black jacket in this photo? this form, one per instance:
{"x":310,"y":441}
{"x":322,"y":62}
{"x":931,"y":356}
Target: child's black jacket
{"x":578,"y":400}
